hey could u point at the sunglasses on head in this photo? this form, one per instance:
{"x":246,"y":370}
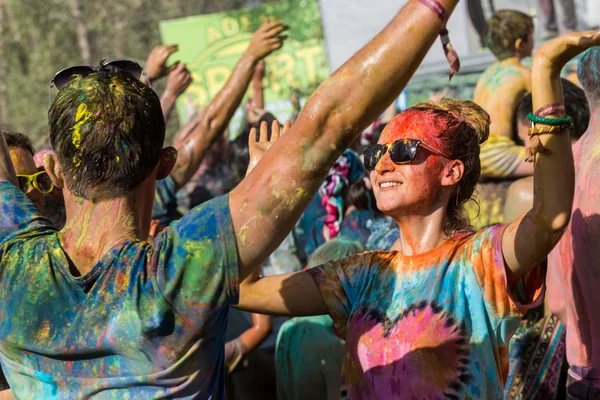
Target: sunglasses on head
{"x":401,"y":152}
{"x":40,"y":181}
{"x":62,"y":78}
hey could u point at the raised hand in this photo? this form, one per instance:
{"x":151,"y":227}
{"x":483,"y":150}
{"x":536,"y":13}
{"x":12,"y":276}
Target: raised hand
{"x":561,"y":50}
{"x":178,"y":81}
{"x":156,"y":64}
{"x":259,"y":144}
{"x":267,"y":39}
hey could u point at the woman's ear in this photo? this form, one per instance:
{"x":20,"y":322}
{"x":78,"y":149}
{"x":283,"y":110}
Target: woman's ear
{"x":453,"y":173}
{"x":54,"y":170}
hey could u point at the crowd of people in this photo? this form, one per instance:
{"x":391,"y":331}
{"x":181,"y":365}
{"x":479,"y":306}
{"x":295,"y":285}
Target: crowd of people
{"x":358,"y":251}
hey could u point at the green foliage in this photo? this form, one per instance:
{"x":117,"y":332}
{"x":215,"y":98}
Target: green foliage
{"x":40,"y":38}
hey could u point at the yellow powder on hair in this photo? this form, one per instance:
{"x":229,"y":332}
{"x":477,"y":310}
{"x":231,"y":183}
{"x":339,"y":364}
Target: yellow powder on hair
{"x":81,"y":117}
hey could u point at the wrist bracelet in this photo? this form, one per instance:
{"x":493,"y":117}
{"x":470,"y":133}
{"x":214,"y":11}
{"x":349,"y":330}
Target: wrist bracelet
{"x":548,"y":121}
{"x":449,"y":51}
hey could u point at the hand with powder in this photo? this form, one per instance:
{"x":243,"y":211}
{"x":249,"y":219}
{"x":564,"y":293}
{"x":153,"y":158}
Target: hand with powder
{"x":156,"y":64}
{"x":259,"y":144}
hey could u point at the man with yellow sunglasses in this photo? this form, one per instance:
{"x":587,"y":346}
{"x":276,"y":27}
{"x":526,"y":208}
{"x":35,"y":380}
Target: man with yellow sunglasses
{"x":33,"y":183}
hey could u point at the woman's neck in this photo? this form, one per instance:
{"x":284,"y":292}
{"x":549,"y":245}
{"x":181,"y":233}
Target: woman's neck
{"x":421,"y":233}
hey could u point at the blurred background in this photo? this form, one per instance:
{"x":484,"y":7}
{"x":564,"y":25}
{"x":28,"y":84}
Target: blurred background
{"x":40,"y":37}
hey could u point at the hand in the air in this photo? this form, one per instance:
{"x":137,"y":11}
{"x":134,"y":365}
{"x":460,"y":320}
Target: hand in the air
{"x":258,"y":146}
{"x":178,"y":81}
{"x":558,"y":52}
{"x":156,"y":64}
{"x":267,"y":39}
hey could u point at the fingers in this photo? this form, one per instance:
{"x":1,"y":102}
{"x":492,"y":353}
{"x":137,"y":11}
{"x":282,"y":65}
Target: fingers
{"x":264,"y":132}
{"x":174,"y":66}
{"x":286,"y":127}
{"x":277,"y":29}
{"x":252,"y":137}
{"x":275,"y":131}
{"x":172,"y":48}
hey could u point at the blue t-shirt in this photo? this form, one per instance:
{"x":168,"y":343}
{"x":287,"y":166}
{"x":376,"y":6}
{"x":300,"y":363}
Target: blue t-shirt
{"x":148,"y":321}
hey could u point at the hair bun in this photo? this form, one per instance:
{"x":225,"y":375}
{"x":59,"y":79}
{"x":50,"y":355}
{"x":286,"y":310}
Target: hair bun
{"x":470,"y":113}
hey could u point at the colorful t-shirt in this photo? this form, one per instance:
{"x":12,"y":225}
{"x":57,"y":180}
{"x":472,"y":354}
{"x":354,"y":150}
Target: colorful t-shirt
{"x":429,"y":326}
{"x":148,"y":321}
{"x":573,"y":271}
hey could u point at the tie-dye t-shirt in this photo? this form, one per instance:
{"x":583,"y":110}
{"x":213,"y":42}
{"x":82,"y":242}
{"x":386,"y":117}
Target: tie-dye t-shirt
{"x":148,"y":321}
{"x":430,"y":326}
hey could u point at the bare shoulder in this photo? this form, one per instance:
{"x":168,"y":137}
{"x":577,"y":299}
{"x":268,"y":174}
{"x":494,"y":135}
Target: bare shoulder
{"x":521,"y":186}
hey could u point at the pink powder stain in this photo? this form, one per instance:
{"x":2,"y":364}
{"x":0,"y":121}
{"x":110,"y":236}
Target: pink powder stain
{"x":423,"y":354}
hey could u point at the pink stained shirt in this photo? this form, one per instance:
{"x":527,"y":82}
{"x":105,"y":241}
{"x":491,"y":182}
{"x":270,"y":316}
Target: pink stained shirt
{"x":573,"y":281}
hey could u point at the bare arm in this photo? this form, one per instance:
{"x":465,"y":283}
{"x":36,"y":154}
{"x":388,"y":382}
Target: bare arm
{"x":295,"y":294}
{"x":519,"y":199}
{"x":212,"y":122}
{"x":179,"y":80}
{"x":6,"y":395}
{"x":258,"y":90}
{"x":265,"y":206}
{"x":7,"y":170}
{"x":262,"y":325}
{"x":526,"y":243}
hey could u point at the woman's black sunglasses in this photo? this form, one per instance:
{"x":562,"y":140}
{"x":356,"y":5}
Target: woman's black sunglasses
{"x":62,"y":78}
{"x":401,"y":152}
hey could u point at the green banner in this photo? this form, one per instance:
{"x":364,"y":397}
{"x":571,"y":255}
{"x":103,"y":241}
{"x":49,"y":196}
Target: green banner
{"x":212,"y":44}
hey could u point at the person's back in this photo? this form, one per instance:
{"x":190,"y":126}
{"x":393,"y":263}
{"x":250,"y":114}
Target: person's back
{"x":573,"y":277}
{"x":500,"y":89}
{"x":502,"y":85}
{"x":102,"y":312}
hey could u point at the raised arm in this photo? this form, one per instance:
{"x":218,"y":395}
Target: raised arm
{"x":265,"y":206}
{"x":528,"y":241}
{"x":204,"y":129}
{"x":179,"y":80}
{"x":7,"y":170}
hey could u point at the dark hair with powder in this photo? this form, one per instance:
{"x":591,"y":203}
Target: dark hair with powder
{"x":588,"y":73}
{"x":463,"y":126}
{"x":18,"y":140}
{"x":107,"y":129}
{"x":576,"y":106}
{"x":504,"y":29}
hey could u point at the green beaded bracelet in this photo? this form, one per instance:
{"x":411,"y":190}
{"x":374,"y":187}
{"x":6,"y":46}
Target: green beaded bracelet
{"x":548,"y":121}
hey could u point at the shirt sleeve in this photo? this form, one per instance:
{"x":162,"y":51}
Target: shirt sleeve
{"x":18,"y":215}
{"x":196,"y":261}
{"x":341,"y":284}
{"x":503,"y":303}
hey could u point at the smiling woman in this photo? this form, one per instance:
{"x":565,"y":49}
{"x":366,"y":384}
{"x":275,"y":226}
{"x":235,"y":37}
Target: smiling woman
{"x":447,"y":130}
{"x":433,"y":317}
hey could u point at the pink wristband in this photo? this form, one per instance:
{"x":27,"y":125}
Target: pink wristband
{"x":451,"y":54}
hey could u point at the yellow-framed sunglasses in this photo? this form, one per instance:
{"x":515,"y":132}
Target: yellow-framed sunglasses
{"x":40,"y":181}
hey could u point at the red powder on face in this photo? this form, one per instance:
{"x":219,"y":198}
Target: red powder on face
{"x":415,"y":124}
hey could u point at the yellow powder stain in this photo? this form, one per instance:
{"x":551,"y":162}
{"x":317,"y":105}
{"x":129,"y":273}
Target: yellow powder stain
{"x":81,"y":117}
{"x":118,"y":159}
{"x":44,"y":333}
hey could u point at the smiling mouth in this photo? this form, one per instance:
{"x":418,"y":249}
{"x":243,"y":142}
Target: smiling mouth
{"x":384,"y":185}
